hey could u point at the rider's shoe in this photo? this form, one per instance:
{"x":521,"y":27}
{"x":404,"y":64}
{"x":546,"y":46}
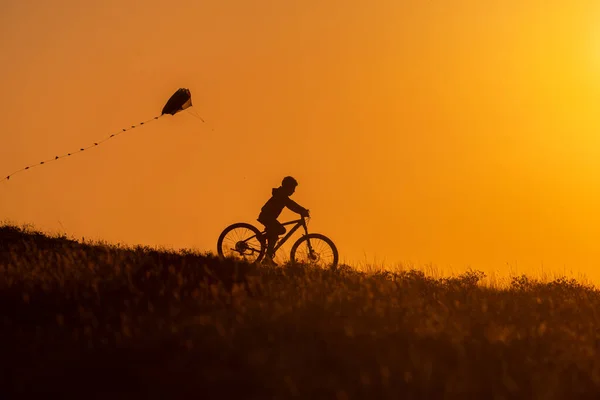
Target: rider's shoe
{"x":269,"y":261}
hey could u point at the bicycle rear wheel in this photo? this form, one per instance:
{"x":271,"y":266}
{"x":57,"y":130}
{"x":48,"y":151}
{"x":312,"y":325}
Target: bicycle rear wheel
{"x":315,"y":250}
{"x":241,"y":241}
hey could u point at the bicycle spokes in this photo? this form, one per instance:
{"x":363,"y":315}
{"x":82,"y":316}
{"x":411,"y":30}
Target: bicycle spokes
{"x":316,"y":252}
{"x":242,"y":243}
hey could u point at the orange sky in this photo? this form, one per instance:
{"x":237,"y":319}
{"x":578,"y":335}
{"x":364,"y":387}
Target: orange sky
{"x":459,"y":133}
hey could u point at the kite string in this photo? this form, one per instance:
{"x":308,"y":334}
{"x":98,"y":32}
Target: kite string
{"x":80,"y":150}
{"x":195,"y":114}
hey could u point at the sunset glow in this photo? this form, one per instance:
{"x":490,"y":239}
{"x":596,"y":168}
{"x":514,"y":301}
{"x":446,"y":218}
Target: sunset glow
{"x":459,"y":133}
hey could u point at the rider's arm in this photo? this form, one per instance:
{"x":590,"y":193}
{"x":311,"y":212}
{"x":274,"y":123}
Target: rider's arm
{"x":295,"y":207}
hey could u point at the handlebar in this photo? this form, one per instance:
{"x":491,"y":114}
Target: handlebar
{"x":306,"y":218}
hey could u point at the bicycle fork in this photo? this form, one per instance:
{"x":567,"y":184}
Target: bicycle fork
{"x":311,"y":252}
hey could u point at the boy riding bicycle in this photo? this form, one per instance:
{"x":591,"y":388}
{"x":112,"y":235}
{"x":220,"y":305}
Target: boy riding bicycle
{"x":270,"y":212}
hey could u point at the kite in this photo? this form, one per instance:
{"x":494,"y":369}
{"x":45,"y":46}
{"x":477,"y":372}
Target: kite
{"x":179,"y":101}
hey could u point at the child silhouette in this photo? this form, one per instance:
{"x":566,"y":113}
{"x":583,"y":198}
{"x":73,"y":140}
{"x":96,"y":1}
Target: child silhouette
{"x":269,"y":213}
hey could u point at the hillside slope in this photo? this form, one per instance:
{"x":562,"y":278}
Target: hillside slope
{"x":98,"y":321}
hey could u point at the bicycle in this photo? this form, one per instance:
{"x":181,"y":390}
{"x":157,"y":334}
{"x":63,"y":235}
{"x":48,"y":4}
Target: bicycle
{"x":245,"y":241}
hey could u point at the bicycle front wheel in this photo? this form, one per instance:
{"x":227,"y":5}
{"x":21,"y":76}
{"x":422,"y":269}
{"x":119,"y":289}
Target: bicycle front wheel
{"x":316,"y":250}
{"x":241,"y":241}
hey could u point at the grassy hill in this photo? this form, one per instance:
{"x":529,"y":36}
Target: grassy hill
{"x":95,"y":321}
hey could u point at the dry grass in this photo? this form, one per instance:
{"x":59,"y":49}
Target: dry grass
{"x":98,"y":321}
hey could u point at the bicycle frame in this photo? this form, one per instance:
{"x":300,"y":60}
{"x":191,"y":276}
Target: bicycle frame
{"x":299,"y":223}
{"x":257,"y":250}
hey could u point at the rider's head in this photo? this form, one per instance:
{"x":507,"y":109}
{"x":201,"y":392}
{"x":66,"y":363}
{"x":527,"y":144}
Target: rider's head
{"x":289,"y":185}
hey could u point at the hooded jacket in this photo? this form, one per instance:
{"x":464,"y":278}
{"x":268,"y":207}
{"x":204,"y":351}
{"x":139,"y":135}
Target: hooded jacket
{"x":273,"y":207}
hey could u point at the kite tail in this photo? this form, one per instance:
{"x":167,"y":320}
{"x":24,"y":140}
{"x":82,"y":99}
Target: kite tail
{"x":80,"y":150}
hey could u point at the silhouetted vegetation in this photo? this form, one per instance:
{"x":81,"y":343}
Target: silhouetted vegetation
{"x":93,"y":321}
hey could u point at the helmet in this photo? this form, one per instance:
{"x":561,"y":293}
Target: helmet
{"x":289,"y":181}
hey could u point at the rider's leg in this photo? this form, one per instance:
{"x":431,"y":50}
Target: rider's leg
{"x":273,"y":231}
{"x":271,"y":242}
